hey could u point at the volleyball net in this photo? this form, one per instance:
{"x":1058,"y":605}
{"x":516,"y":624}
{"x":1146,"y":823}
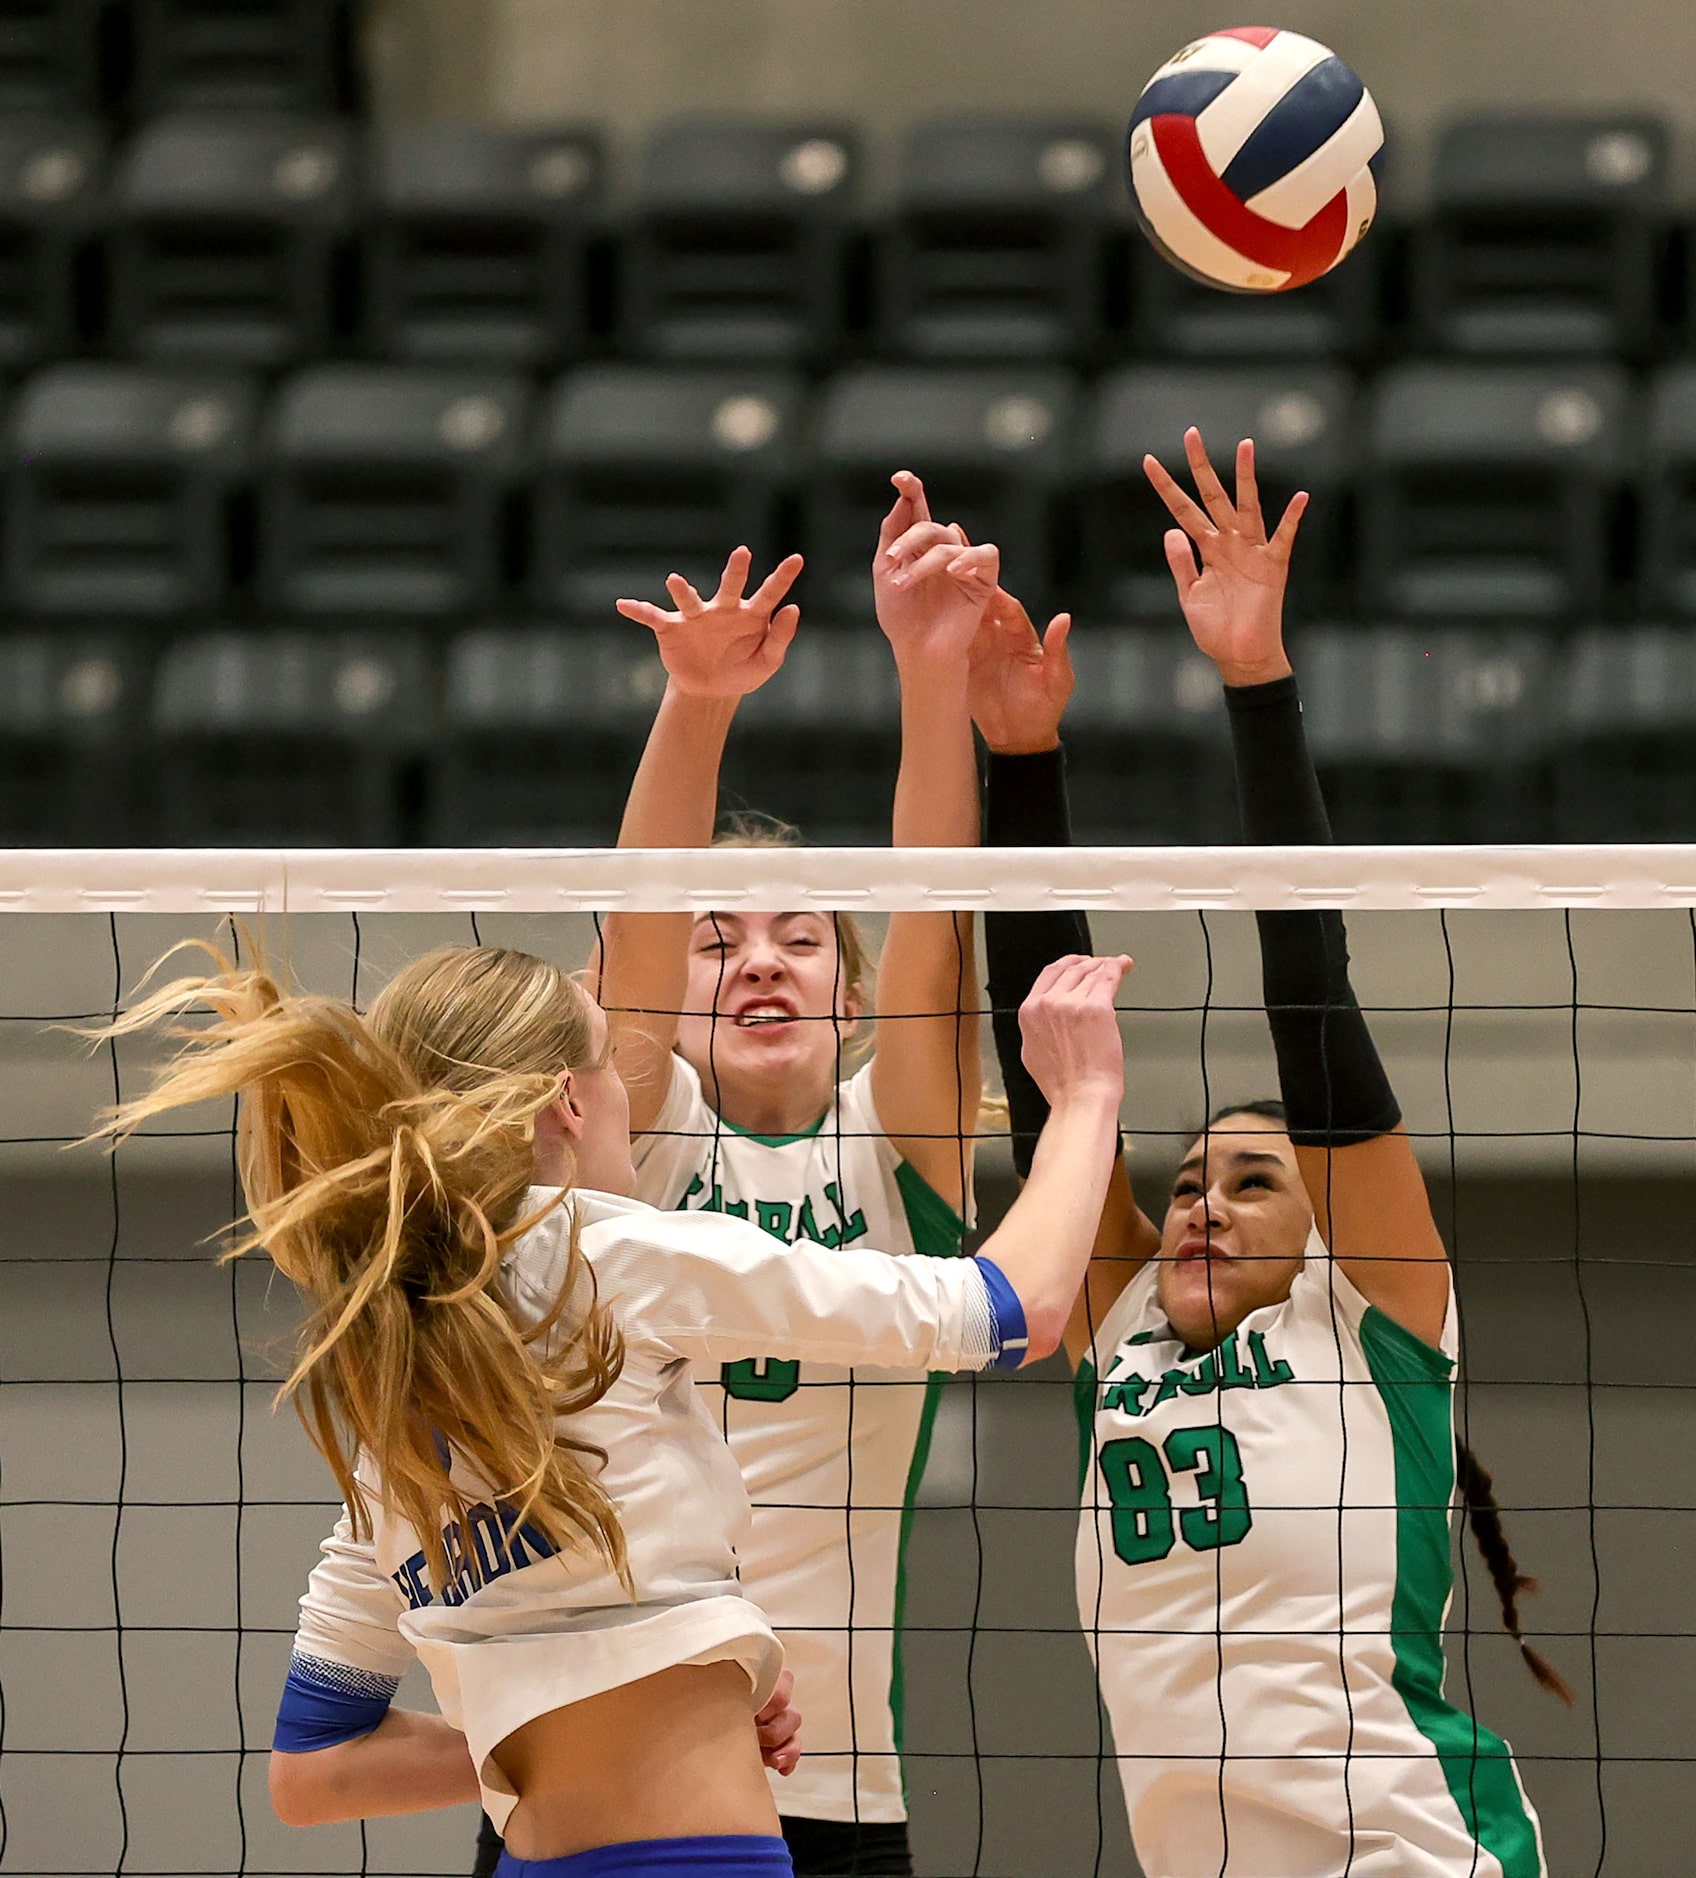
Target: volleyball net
{"x":1535,"y":1008}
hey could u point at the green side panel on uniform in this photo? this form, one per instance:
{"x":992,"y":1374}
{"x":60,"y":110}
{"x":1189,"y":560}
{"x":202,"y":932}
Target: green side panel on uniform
{"x":939,"y":1233}
{"x":1416,"y":1385}
{"x":1083,"y":1406}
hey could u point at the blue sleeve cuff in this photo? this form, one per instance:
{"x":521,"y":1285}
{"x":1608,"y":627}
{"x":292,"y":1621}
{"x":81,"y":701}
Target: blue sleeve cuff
{"x":1009,"y":1315}
{"x":325,"y":1704}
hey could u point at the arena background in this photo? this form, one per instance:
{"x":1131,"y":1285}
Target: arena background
{"x":1617,"y":1570}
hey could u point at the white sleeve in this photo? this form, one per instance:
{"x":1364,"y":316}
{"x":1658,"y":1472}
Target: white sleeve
{"x":349,"y":1654}
{"x":667,"y":1153}
{"x":715,"y":1289}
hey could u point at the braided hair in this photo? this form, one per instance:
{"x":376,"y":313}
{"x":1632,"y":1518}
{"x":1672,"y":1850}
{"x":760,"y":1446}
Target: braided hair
{"x":1478,"y":1496}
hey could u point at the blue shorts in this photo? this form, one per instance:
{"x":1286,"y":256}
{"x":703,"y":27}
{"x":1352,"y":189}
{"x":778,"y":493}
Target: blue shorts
{"x":727,"y":1856}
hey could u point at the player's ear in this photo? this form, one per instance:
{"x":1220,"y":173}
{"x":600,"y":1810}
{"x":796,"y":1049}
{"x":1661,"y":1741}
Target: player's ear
{"x":565,"y":1110}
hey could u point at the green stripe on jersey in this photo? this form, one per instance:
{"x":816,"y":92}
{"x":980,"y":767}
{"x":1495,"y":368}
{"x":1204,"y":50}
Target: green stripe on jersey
{"x":1416,"y":1385}
{"x":940,"y":1233}
{"x":1083,"y":1406}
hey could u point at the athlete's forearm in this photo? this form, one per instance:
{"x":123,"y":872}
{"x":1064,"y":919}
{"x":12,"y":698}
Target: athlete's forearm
{"x":673,"y":800}
{"x":936,"y":791}
{"x":1043,"y":1245}
{"x":409,"y":1763}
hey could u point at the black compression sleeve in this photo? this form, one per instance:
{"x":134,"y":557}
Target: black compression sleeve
{"x":1025,"y":807}
{"x":1329,"y":1073}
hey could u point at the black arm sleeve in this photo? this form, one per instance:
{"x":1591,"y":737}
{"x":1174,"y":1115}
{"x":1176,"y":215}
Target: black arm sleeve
{"x":1025,"y":807}
{"x":1331,"y":1079}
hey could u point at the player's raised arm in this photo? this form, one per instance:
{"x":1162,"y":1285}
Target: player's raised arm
{"x":715,"y":652}
{"x":1021,"y":685}
{"x":1356,"y":1161}
{"x":932,"y":587}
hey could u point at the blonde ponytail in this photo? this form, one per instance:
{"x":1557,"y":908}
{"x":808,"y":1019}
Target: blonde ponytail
{"x":385,"y":1165}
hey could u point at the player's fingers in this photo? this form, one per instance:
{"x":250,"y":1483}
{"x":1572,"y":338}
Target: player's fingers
{"x":1056,"y":653}
{"x":777,"y":583}
{"x":914,"y":490}
{"x":932,"y":561}
{"x":782,"y":631}
{"x":1208,"y":486}
{"x":1180,"y":557}
{"x":645,"y":614}
{"x":1046,"y":978}
{"x":1285,"y":539}
{"x":980,"y":566}
{"x":734,"y":581}
{"x":686,"y":599}
{"x":1249,"y":518}
{"x":915,"y":540}
{"x":1186,"y":512}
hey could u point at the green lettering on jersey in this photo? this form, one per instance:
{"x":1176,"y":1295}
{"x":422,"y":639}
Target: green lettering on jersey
{"x":773,"y":1216}
{"x":1232,"y":1375}
{"x":761,"y":1379}
{"x":852,"y":1227}
{"x":1217,"y":1371}
{"x":1268,"y":1374}
{"x":1204,"y":1378}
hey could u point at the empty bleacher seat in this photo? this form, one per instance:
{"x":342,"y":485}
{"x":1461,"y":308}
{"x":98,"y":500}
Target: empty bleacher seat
{"x":50,"y":170}
{"x":1147,"y":743}
{"x":51,"y":55}
{"x":646,"y":470}
{"x":1624,"y":768}
{"x":996,"y":243}
{"x":226,"y":234}
{"x":1301,"y":420}
{"x":1426,"y":736}
{"x":69,"y":703}
{"x":737,"y":242}
{"x":541,"y":731}
{"x":278,"y":737}
{"x":388,"y":489}
{"x":1544,"y":235}
{"x":1492,"y":489}
{"x":1668,"y":496}
{"x":121,"y":483}
{"x":478,"y":249}
{"x":817,"y":745}
{"x":244,"y":54}
{"x":991,"y":444}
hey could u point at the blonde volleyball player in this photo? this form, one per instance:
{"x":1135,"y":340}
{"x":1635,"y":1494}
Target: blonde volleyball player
{"x":1263,"y":1563}
{"x":731,"y":1030}
{"x":495,"y":1363}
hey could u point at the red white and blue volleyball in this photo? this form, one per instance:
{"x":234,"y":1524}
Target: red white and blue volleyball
{"x":1251,"y":156}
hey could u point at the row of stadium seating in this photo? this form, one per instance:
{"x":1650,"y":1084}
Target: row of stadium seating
{"x":263,"y":238}
{"x":1444,"y":491}
{"x":530,"y":735}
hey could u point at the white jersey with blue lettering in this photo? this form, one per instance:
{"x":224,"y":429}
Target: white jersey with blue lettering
{"x":831,"y":1455}
{"x":1263,"y":1571}
{"x":520,"y":1629}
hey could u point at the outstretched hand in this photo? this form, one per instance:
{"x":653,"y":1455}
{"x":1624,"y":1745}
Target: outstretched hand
{"x":1020,"y":685}
{"x":729,"y":645}
{"x":931,"y":584}
{"x":1234,"y":605}
{"x":1070,"y":1030}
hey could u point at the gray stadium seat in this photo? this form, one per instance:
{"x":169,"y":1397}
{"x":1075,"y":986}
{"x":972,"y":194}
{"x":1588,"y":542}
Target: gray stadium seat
{"x":1492,"y":489}
{"x":1301,"y":418}
{"x":819,"y":744}
{"x":120,"y":484}
{"x":388,"y":489}
{"x":991,"y":443}
{"x":225,"y":236}
{"x":1668,"y":492}
{"x":51,"y":55}
{"x":541,"y":730}
{"x":278,"y":737}
{"x":479,"y":242}
{"x":1624,"y":767}
{"x":50,"y":172}
{"x":292,"y":55}
{"x":996,"y":244}
{"x":69,"y":704}
{"x":1428,"y":735}
{"x":1147,"y":743}
{"x":1543,"y":235}
{"x":736,"y":245}
{"x":646,"y":470}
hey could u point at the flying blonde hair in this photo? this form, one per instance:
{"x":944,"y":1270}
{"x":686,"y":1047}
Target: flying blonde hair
{"x":385,"y":1162}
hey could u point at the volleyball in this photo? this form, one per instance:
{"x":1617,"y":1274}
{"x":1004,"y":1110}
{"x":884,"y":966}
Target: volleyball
{"x":1250,"y":155}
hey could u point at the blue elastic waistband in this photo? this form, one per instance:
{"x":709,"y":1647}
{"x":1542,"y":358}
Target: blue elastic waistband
{"x":729,"y":1856}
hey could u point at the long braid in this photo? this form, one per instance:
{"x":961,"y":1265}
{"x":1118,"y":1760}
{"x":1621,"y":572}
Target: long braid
{"x":1478,"y":1494}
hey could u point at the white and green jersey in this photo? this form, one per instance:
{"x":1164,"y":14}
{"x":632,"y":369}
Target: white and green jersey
{"x":831,"y":1456}
{"x":1263,"y":1572}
